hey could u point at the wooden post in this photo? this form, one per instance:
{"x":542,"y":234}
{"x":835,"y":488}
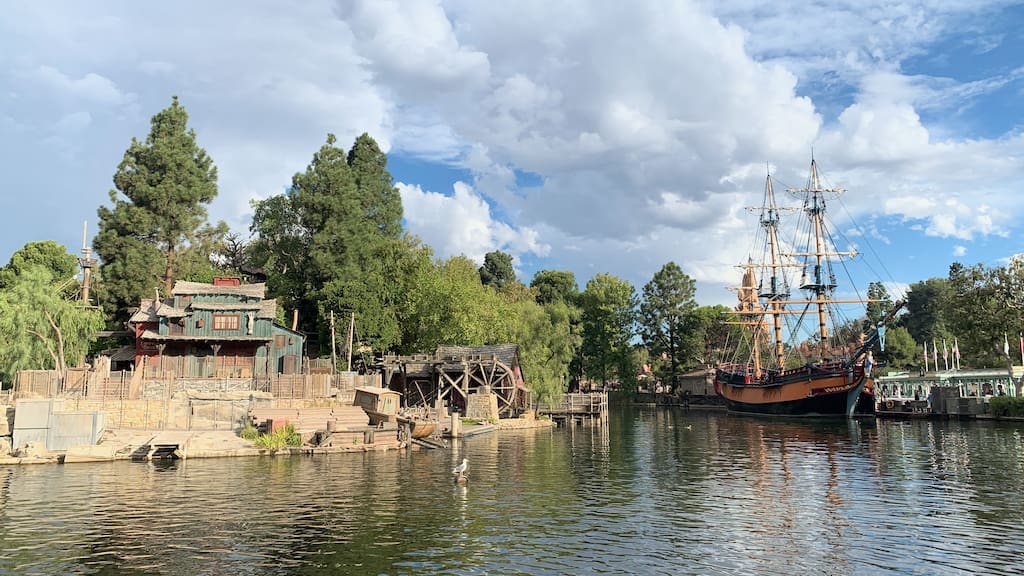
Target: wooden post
{"x":456,"y":424}
{"x":351,"y":335}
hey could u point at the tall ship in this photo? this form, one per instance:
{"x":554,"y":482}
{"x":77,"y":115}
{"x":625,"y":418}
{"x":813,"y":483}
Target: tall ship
{"x":797,"y":355}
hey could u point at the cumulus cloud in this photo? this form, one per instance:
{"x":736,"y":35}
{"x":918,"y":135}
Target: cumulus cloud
{"x":462,"y":223}
{"x":595,"y":136}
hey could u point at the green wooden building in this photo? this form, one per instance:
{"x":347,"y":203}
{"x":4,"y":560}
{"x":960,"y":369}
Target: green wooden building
{"x":220,"y":330}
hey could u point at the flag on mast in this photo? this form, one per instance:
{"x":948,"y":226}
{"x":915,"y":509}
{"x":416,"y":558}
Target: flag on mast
{"x":935,"y":355}
{"x":956,"y":351}
{"x":945,"y":354}
{"x":925,"y":345}
{"x":1006,"y":345}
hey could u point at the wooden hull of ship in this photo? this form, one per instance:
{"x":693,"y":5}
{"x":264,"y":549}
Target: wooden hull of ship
{"x":801,"y":392}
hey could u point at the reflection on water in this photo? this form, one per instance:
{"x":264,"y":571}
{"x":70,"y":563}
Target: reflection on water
{"x":651,"y":492}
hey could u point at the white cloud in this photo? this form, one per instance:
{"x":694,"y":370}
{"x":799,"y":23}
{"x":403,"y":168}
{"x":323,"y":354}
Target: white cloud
{"x":959,"y":251}
{"x":462,"y":223}
{"x":644,"y":128}
{"x":91,"y":87}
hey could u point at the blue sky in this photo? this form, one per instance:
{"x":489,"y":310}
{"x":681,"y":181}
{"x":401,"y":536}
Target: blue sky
{"x":592,"y":136}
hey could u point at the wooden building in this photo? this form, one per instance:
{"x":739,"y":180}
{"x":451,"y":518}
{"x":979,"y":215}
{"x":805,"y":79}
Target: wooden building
{"x":220,"y":330}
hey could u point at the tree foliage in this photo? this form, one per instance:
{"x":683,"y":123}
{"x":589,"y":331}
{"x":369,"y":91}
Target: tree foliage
{"x":879,"y":304}
{"x":497,"y":270}
{"x":334,"y":242}
{"x":609,"y":318}
{"x":555,"y":286}
{"x":47,"y":254}
{"x":40,"y":327}
{"x":668,"y":301}
{"x":155,"y":229}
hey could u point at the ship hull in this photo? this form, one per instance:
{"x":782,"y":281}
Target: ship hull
{"x":808,"y":391}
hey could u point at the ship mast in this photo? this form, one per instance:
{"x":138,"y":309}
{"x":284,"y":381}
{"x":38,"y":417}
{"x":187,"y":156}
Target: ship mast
{"x":819,"y":285}
{"x":770,"y":221}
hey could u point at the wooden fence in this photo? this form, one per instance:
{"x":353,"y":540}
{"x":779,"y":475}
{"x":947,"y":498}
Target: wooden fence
{"x":135,"y":385}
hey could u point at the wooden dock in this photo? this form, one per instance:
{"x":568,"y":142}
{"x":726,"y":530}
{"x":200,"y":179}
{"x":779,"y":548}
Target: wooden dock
{"x":577,"y":408}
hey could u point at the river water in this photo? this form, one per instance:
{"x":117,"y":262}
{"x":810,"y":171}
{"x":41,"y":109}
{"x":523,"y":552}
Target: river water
{"x":653,"y":491}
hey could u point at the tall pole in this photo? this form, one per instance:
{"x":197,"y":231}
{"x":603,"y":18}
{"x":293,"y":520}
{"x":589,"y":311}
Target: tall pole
{"x":351,"y":335}
{"x":334,"y":358}
{"x":87,"y":262}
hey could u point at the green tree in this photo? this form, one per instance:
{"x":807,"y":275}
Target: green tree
{"x":979,"y":318}
{"x":707,"y":332}
{"x":448,"y":305}
{"x":334,"y":242}
{"x":555,"y":286}
{"x":879,"y":304}
{"x":927,"y":302}
{"x":51,"y":255}
{"x":497,"y":270}
{"x":900,"y":349}
{"x":40,"y":327}
{"x":667,"y":302}
{"x":162,"y":188}
{"x":609,"y":319}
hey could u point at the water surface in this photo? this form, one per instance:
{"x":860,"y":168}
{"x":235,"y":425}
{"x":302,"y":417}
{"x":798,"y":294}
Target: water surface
{"x":654,"y":491}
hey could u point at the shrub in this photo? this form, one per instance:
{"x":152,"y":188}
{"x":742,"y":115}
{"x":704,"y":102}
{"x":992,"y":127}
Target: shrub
{"x":250,"y":432}
{"x":279,"y":438}
{"x":1006,"y":406}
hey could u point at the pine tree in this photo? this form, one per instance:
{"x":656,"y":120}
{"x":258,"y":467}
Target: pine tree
{"x":162,"y":188}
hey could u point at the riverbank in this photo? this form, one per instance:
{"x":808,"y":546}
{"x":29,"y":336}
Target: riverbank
{"x":126,"y":444}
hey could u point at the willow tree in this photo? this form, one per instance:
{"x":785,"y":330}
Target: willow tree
{"x":42,"y":328}
{"x":162,"y":188}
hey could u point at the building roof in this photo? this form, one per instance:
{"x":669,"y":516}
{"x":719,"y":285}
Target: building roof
{"x":122,"y":354}
{"x":182,"y":287}
{"x":148,"y":312}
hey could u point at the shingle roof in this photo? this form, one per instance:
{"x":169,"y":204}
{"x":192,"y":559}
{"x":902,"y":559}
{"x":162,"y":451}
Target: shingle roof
{"x":147,"y":312}
{"x":182,"y":287}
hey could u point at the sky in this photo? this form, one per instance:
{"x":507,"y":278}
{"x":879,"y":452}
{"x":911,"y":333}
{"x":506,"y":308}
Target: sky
{"x":595,"y":136}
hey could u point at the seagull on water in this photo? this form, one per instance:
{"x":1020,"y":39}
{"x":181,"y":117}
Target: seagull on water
{"x":461,"y":468}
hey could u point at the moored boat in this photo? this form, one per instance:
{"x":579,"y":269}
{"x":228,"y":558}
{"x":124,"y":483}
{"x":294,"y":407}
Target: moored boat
{"x":773,"y":378}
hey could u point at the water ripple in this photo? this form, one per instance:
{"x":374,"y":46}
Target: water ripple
{"x":651,"y":492}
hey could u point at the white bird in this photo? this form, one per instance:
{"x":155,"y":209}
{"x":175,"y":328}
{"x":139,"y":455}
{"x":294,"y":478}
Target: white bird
{"x":461,"y":468}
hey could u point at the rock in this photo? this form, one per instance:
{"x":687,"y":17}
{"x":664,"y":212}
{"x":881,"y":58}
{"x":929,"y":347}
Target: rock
{"x":5,"y":445}
{"x":33,"y":450}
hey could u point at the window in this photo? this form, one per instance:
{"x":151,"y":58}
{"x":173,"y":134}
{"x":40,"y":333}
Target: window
{"x":279,"y":341}
{"x":225,"y":322}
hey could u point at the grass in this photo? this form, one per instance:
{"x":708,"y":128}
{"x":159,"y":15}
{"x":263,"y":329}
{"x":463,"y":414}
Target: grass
{"x":280,"y":438}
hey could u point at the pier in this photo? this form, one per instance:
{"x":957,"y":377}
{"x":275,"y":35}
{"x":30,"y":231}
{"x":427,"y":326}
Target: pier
{"x":577,"y":408}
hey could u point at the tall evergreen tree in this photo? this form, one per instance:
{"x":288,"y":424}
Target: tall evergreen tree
{"x":497,"y":270}
{"x":162,"y":188}
{"x":334,"y":242}
{"x":668,"y":299}
{"x":879,"y":304}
